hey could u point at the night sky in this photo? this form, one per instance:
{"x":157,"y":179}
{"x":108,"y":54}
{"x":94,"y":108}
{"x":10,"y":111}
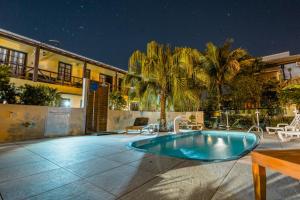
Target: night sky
{"x":110,"y":30}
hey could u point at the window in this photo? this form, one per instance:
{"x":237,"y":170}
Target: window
{"x":64,"y":72}
{"x":17,"y":61}
{"x":103,"y":78}
{"x":3,"y":55}
{"x":120,"y":84}
{"x":88,"y":73}
{"x":17,"y":58}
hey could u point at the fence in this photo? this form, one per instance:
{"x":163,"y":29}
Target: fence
{"x":118,"y":120}
{"x":23,"y":122}
{"x":244,"y":119}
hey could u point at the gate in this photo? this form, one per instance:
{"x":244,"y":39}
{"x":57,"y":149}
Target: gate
{"x":97,"y":108}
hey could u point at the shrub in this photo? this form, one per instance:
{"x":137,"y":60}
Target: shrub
{"x":290,"y":94}
{"x":116,"y":101}
{"x":39,"y":95}
{"x":8,"y":91}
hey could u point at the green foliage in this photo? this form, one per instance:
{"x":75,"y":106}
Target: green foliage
{"x":185,"y":79}
{"x":270,"y":94}
{"x":39,"y":95}
{"x":246,"y":88}
{"x":117,"y":101}
{"x":290,"y":94}
{"x":222,"y":64}
{"x":8,"y":91}
{"x":164,"y":78}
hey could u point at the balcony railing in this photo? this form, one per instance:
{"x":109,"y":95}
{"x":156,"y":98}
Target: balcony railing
{"x":46,"y":76}
{"x":20,"y":71}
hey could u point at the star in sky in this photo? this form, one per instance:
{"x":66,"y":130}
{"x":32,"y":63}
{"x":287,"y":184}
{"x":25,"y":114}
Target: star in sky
{"x":119,"y":27}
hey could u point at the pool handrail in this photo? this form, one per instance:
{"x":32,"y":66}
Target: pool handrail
{"x":261,"y":135}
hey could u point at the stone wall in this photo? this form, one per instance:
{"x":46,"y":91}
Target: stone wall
{"x":23,"y":122}
{"x":118,"y":120}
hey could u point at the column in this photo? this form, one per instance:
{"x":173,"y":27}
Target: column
{"x":84,"y":70}
{"x":36,"y":64}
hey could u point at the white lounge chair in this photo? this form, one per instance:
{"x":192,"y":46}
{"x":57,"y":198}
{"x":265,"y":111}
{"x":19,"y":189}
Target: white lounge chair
{"x":284,"y":126}
{"x":285,"y":136}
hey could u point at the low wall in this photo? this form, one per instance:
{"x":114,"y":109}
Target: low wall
{"x":23,"y":122}
{"x":118,"y":120}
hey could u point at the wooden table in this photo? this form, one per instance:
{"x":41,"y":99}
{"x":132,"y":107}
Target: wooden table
{"x":284,"y":161}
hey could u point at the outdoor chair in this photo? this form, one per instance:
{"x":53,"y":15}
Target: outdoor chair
{"x":284,"y":126}
{"x":286,"y":135}
{"x":139,"y":124}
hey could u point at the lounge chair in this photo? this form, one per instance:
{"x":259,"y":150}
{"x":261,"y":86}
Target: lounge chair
{"x":285,"y":127}
{"x":139,"y":124}
{"x":285,"y":136}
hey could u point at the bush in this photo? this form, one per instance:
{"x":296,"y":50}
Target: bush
{"x":8,"y":91}
{"x":273,"y":121}
{"x":116,"y":101}
{"x":290,"y":94}
{"x":39,"y":95}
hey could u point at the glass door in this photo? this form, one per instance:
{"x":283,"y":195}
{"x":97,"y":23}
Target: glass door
{"x":64,"y":72}
{"x":17,"y":62}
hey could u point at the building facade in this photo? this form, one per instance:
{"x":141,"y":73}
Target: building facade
{"x":36,"y":63}
{"x":282,"y":67}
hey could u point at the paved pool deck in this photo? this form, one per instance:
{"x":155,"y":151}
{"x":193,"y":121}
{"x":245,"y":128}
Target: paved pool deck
{"x":103,"y":168}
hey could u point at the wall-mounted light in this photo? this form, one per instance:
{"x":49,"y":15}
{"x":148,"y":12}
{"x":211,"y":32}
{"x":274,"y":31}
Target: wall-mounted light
{"x":67,"y":103}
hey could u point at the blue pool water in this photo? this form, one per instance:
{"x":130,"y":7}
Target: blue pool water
{"x":200,"y":145}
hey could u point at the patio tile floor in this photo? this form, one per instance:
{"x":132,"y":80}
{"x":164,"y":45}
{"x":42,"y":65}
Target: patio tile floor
{"x":102,"y":167}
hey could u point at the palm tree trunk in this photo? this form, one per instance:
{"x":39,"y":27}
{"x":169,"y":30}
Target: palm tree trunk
{"x":163,"y":120}
{"x":219,"y":96}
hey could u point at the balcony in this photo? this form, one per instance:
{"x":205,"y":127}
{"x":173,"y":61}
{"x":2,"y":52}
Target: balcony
{"x":45,"y":76}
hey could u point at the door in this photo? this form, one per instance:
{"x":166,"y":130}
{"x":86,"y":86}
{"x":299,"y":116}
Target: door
{"x":64,"y":72}
{"x":97,"y":108}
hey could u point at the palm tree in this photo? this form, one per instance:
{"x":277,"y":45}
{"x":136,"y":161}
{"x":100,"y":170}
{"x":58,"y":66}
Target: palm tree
{"x":161,"y":78}
{"x":222,"y":64}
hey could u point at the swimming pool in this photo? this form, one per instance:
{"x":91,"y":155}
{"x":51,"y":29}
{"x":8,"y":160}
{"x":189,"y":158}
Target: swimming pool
{"x":200,"y":145}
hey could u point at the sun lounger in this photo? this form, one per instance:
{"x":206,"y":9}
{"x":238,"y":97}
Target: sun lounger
{"x":139,"y":124}
{"x":285,"y":127}
{"x":285,"y":136}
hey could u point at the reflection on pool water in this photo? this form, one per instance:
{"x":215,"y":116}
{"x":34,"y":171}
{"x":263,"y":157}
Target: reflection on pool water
{"x":200,"y":145}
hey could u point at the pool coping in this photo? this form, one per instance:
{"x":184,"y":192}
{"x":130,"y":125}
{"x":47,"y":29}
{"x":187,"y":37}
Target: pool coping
{"x":182,"y":134}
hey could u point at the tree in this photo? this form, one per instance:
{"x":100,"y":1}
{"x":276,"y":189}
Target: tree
{"x":222,"y":64}
{"x":39,"y":95}
{"x":290,"y":94}
{"x":246,"y":88}
{"x":8,"y":91}
{"x":161,"y":77}
{"x":116,"y":101}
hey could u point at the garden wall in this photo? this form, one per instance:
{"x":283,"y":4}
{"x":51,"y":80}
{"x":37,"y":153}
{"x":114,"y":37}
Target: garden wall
{"x":23,"y":122}
{"x":118,"y":120}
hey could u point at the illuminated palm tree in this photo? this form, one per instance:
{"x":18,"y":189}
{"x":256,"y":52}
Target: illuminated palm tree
{"x":222,"y":64}
{"x":161,"y":78}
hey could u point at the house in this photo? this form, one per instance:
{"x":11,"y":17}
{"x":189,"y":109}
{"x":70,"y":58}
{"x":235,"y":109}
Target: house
{"x":285,"y":68}
{"x":37,"y":63}
{"x":281,"y":66}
